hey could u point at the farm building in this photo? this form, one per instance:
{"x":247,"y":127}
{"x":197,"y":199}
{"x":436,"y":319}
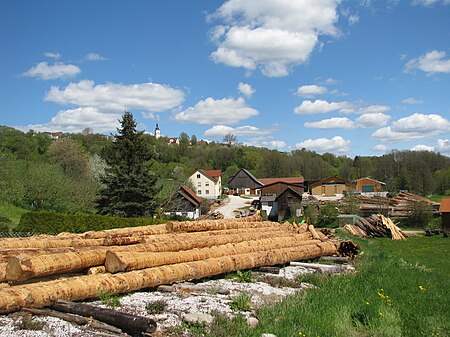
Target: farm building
{"x":279,"y":187}
{"x":184,"y":203}
{"x":368,"y":186}
{"x":331,"y":187}
{"x":283,"y":205}
{"x":445,"y":213}
{"x":243,"y":182}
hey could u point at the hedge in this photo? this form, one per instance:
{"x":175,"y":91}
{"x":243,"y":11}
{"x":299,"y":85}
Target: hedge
{"x":53,"y":223}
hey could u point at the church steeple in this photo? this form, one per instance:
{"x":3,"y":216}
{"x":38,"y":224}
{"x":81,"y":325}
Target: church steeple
{"x":157,"y":132}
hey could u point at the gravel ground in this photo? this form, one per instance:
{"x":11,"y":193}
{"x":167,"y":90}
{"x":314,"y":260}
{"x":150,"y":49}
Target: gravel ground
{"x":203,"y":297}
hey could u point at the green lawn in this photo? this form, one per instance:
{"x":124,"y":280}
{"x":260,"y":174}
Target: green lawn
{"x":400,"y":289}
{"x":12,"y":212}
{"x":437,"y":198}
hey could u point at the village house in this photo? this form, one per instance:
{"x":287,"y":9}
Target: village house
{"x":282,"y":206}
{"x":207,"y":183}
{"x":184,"y":203}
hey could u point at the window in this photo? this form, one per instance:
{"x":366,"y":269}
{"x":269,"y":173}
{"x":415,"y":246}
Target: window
{"x":206,"y":184}
{"x":199,"y":191}
{"x":199,"y":184}
{"x":198,"y":176}
{"x":207,"y":192}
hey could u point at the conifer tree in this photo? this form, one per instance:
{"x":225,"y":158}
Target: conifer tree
{"x":129,"y":186}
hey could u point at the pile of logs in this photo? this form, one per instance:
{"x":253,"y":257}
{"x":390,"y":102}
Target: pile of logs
{"x":216,"y":215}
{"x":404,"y":202}
{"x":376,"y":226}
{"x":37,"y":271}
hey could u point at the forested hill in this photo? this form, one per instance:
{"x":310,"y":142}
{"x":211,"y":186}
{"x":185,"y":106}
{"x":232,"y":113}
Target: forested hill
{"x":32,"y":164}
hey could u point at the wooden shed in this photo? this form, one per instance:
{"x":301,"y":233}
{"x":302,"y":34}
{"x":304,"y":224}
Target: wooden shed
{"x":369,"y":185}
{"x":445,"y":213}
{"x":243,"y":182}
{"x":184,"y":203}
{"x":279,"y":187}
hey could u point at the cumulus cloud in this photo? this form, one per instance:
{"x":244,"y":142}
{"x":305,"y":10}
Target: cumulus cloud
{"x":95,"y":57}
{"x":431,"y":63}
{"x":377,"y":108}
{"x":421,"y":147}
{"x":271,"y":34}
{"x":221,"y":111}
{"x":416,"y":126}
{"x":332,"y":123}
{"x":322,"y":145}
{"x":319,"y":107}
{"x":75,"y":120}
{"x":382,"y":148}
{"x":52,"y":55}
{"x":44,"y":71}
{"x":222,"y":130}
{"x":370,"y":120}
{"x":411,"y":100}
{"x":246,"y":89}
{"x":269,"y":143}
{"x":311,"y":90}
{"x":152,"y":97}
{"x":443,"y":146}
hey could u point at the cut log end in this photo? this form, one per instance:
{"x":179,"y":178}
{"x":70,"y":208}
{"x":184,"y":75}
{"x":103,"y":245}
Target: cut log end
{"x":113,"y":263}
{"x":18,"y":268}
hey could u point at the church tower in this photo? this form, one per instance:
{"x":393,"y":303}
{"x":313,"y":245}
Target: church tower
{"x":157,"y":132}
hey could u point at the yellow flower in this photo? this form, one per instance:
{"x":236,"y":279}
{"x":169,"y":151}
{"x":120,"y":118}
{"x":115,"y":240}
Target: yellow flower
{"x":422,"y":288}
{"x":367,"y":302}
{"x":381,"y":314}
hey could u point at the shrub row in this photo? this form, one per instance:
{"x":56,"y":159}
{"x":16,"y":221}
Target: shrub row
{"x":53,"y":223}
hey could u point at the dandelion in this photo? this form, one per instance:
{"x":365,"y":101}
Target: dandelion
{"x":422,"y":288}
{"x":381,"y":314}
{"x":367,"y":302}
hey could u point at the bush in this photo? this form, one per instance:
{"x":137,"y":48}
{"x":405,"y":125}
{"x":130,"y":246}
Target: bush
{"x":328,"y":216}
{"x":54,"y":223}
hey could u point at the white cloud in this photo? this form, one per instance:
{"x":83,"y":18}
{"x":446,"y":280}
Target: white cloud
{"x":322,"y":145}
{"x":331,"y":81}
{"x":95,"y":57}
{"x":421,"y":147}
{"x":52,"y":55}
{"x":114,"y":97}
{"x":411,"y":100}
{"x":332,"y":123}
{"x":319,"y":107}
{"x":212,"y":111}
{"x":353,"y":19}
{"x":270,"y":144}
{"x":382,"y":148}
{"x":75,"y":120}
{"x":432,"y":62}
{"x":416,"y":126}
{"x":377,"y":108}
{"x":222,"y":130}
{"x":443,"y":146}
{"x":246,"y":89}
{"x":370,"y":120}
{"x":271,"y":34}
{"x":43,"y":71}
{"x":311,"y":90}
{"x":429,"y":3}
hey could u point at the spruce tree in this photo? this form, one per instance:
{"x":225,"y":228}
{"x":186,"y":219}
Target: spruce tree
{"x":129,"y":186}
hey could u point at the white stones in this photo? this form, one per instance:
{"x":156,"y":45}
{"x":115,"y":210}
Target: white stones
{"x":198,"y":318}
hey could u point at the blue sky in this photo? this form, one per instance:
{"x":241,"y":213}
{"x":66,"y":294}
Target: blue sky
{"x":346,"y":77}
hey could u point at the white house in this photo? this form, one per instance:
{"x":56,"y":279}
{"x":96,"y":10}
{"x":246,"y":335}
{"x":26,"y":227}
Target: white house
{"x":207,"y":183}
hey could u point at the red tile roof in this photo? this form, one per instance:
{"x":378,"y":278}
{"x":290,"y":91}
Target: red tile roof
{"x":191,"y":194}
{"x":445,"y":205}
{"x":288,"y":180}
{"x":213,"y":173}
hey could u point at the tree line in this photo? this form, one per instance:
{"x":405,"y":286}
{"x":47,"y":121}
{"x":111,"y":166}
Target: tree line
{"x":77,"y":173}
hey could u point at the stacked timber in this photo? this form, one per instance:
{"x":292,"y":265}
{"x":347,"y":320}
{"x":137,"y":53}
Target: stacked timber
{"x":405,"y":202}
{"x":41,"y":270}
{"x":376,"y":226}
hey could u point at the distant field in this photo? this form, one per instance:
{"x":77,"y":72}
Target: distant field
{"x":12,"y":212}
{"x":437,"y":197}
{"x":400,"y":289}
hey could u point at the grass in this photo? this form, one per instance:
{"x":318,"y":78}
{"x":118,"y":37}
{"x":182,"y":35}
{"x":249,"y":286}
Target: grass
{"x":400,"y":289}
{"x":437,"y":197}
{"x":12,"y":212}
{"x":109,"y":300}
{"x":242,"y":302}
{"x":156,"y":307}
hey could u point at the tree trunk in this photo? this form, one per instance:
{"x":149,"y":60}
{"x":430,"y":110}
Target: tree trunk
{"x":82,"y":287}
{"x":131,"y":324}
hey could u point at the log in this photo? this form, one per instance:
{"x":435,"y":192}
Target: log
{"x":126,"y":261}
{"x":324,"y":268}
{"x":335,"y":259}
{"x":21,"y":268}
{"x":77,"y":288}
{"x":48,"y":242}
{"x":131,"y":324}
{"x":270,"y":270}
{"x":74,"y":319}
{"x":129,"y":231}
{"x":348,"y":248}
{"x":208,"y":225}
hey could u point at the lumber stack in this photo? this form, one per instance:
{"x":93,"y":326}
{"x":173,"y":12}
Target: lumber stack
{"x":38,"y":271}
{"x":404,"y":202}
{"x":374,"y":226}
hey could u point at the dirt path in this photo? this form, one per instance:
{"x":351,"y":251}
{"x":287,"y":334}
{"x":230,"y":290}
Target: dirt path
{"x":233,"y":204}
